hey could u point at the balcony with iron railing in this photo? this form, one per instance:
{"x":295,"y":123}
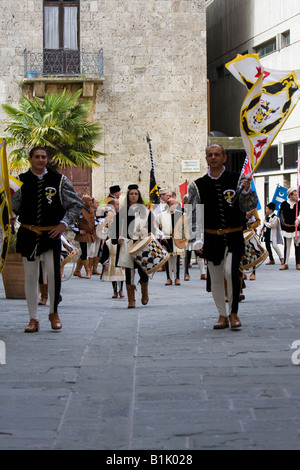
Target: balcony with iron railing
{"x":62,"y":66}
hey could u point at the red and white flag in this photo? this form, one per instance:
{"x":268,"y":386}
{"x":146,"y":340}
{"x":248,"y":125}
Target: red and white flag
{"x":14,"y":184}
{"x":272,"y":96}
{"x":183,"y":188}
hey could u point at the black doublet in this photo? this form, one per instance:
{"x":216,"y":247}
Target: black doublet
{"x":287,"y":216}
{"x":216,"y":194}
{"x":41,"y":206}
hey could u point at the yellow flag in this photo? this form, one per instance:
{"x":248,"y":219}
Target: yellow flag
{"x":4,"y":177}
{"x":4,"y":228}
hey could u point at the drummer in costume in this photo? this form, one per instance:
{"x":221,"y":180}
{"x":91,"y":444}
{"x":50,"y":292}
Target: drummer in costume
{"x":85,"y":231}
{"x":166,"y":222}
{"x":95,"y":249}
{"x":253,"y":222}
{"x":114,"y":193}
{"x":132,"y":222}
{"x":224,"y":222}
{"x":271,"y":233}
{"x":46,"y":204}
{"x":162,"y":206}
{"x":111,"y":273}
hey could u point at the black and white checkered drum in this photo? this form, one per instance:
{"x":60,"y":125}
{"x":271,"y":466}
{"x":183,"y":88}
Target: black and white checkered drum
{"x":149,"y":254}
{"x":255,"y":254}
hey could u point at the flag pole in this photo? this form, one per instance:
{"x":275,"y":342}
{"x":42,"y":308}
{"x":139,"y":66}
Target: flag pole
{"x":239,"y":187}
{"x":153,"y":190}
{"x":297,"y":203}
{"x":5,"y":177}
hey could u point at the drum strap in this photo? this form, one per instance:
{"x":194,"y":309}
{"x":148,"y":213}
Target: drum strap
{"x":223,"y":231}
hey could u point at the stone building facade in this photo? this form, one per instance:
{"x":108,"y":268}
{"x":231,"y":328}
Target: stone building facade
{"x":154,"y":81}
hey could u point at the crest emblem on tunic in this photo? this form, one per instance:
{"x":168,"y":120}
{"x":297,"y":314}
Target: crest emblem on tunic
{"x":229,"y":195}
{"x":50,"y":193}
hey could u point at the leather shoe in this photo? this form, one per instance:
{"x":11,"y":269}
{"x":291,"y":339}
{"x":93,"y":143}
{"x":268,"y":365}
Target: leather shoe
{"x":234,"y":321}
{"x":177,"y":282}
{"x":284,"y":267}
{"x":33,"y":326}
{"x":298,"y":267}
{"x":222,"y":323}
{"x":270,"y":262}
{"x":187,"y":277}
{"x":56,"y":324}
{"x":169,"y":282}
{"x":203,"y":277}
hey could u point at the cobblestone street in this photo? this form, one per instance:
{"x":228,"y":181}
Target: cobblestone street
{"x":155,"y":377}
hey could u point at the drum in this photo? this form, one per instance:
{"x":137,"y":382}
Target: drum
{"x":149,"y":254}
{"x":255,"y":254}
{"x":181,"y":232}
{"x":68,"y":251}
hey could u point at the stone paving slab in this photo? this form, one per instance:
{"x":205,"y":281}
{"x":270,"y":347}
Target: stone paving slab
{"x":156,"y":377}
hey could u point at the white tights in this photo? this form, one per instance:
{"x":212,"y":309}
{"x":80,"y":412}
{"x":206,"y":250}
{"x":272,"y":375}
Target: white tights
{"x":229,"y":270}
{"x":31,"y":269}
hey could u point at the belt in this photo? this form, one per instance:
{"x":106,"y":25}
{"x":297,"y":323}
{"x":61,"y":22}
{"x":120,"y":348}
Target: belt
{"x":223,"y":231}
{"x":38,"y":230}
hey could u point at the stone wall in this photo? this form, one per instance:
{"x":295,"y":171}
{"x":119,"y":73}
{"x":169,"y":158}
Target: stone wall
{"x":154,"y":82}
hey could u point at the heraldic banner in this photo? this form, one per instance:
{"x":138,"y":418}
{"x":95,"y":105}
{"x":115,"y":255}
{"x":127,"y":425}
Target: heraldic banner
{"x":272,"y":96}
{"x":8,"y":186}
{"x":4,"y":210}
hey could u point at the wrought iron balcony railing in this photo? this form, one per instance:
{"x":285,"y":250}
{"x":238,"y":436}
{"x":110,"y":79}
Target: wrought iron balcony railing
{"x":63,"y":63}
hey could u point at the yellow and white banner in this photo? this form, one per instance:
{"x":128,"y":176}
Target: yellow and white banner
{"x":4,"y":211}
{"x":272,"y":96}
{"x":4,"y":228}
{"x":8,"y":185}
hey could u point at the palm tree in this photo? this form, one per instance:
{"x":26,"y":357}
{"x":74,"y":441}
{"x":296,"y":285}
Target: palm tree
{"x":57,"y":122}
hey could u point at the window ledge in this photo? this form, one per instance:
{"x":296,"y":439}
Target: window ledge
{"x":39,"y":83}
{"x":61,"y":79}
{"x":264,"y":173}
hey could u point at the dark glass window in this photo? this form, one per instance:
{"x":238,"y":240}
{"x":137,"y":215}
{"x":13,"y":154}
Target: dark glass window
{"x":291,"y":156}
{"x":269,"y":162}
{"x":61,"y":37}
{"x":266,"y":48}
{"x":286,"y":39}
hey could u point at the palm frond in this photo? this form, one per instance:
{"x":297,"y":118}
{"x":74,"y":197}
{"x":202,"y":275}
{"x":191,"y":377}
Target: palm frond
{"x":58,"y":122}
